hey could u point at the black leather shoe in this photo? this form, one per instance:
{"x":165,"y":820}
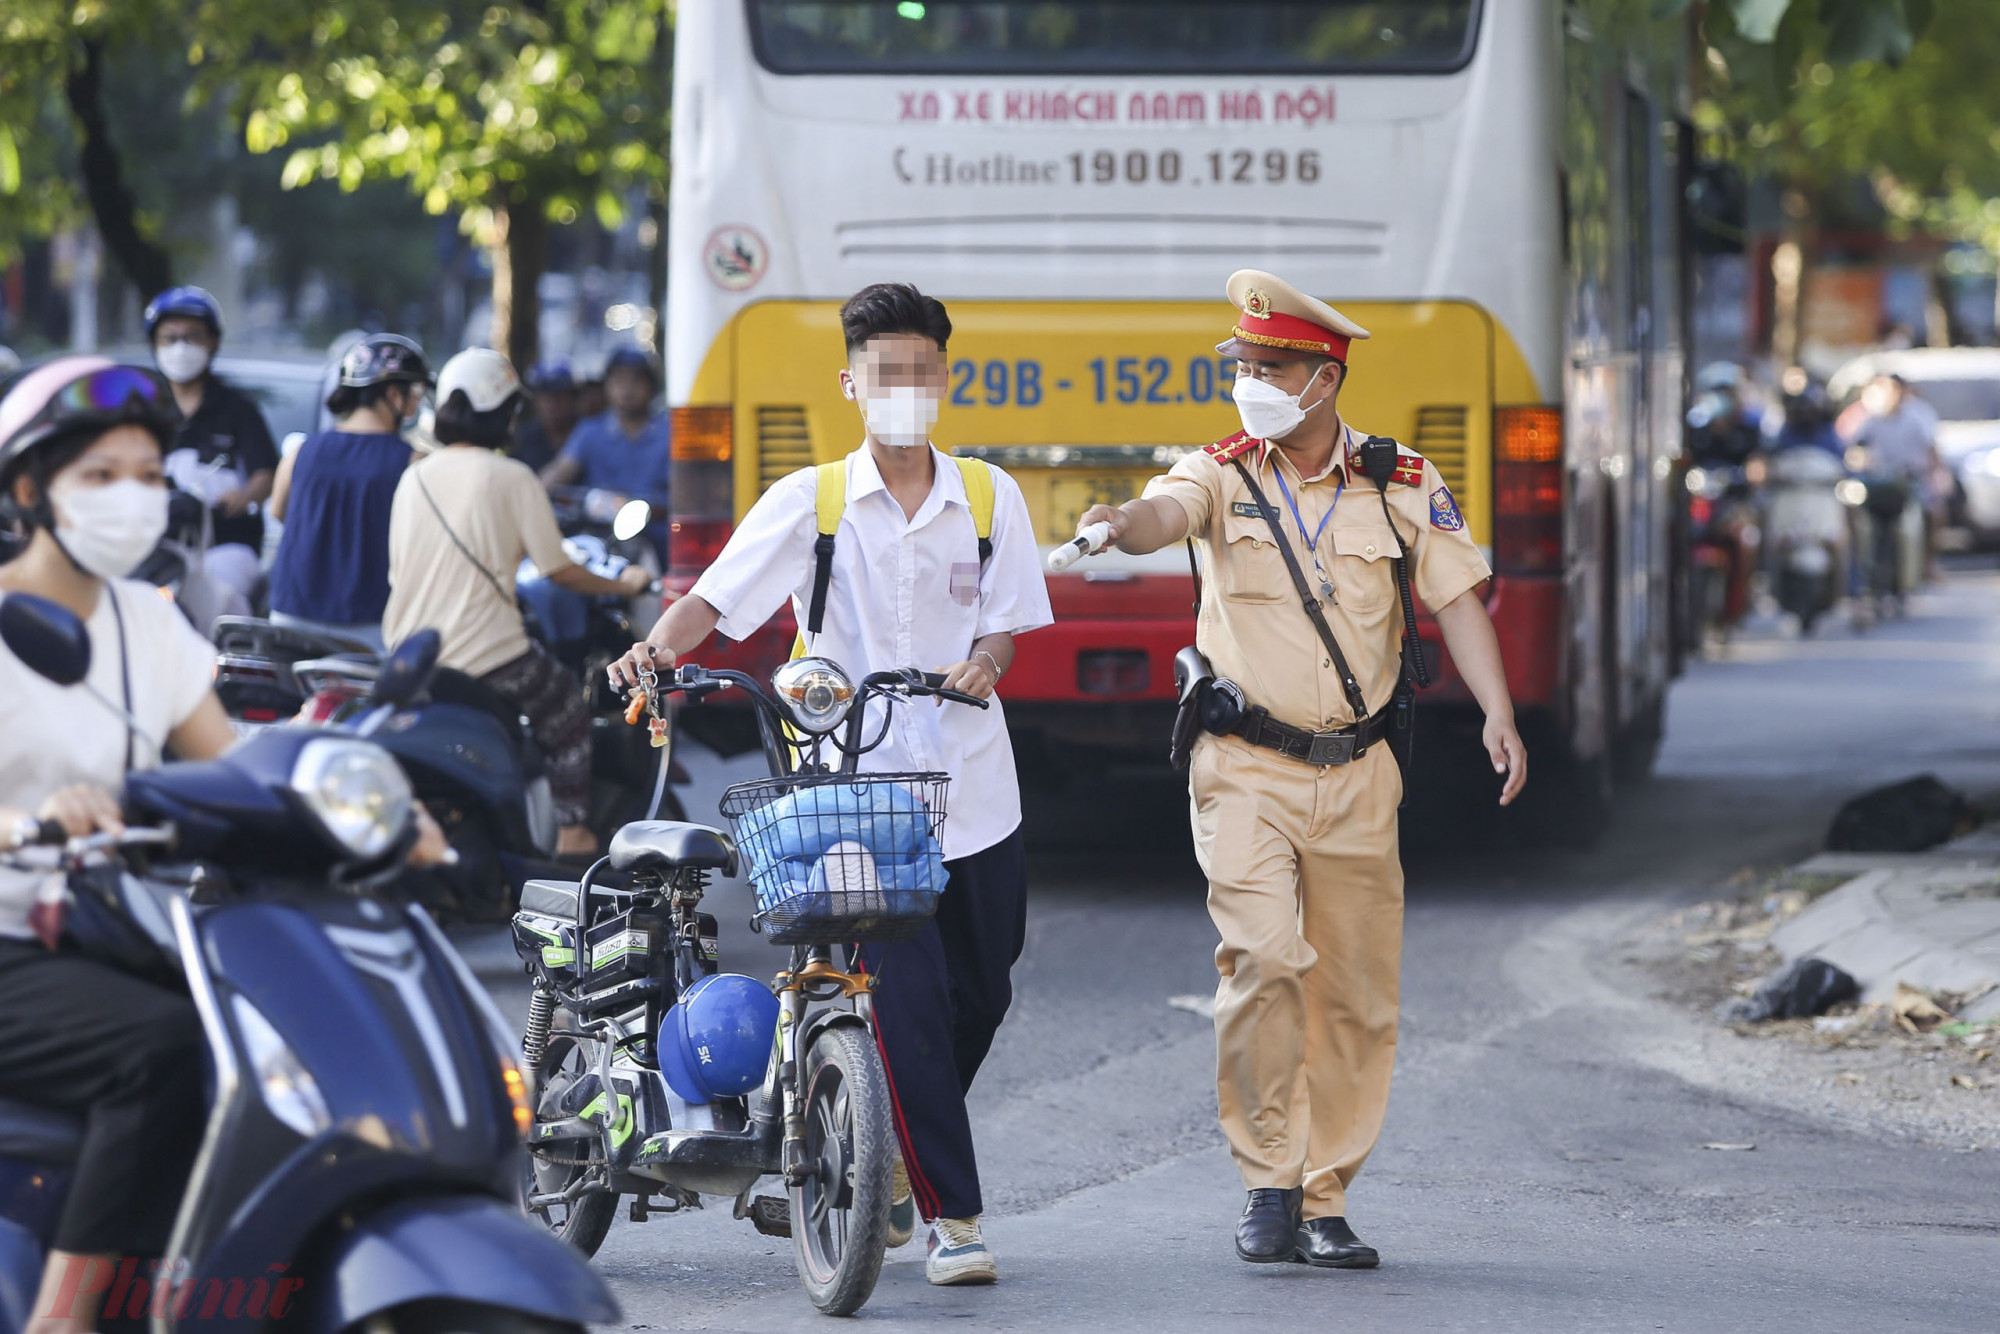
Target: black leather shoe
{"x":1268,"y":1232}
{"x":1329,"y":1243}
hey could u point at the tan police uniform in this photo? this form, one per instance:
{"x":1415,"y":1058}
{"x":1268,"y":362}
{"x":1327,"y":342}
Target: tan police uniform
{"x":1305,"y":883}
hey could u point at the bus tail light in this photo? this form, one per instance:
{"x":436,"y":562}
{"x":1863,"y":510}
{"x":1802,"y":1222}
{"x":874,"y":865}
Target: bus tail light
{"x":704,"y":489}
{"x":1528,"y":490}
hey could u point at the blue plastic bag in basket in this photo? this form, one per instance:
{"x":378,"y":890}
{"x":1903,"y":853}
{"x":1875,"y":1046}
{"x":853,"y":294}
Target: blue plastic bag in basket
{"x":848,"y":881}
{"x":888,"y":819}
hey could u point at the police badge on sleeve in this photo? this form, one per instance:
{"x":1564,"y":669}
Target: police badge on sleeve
{"x":1444,"y":511}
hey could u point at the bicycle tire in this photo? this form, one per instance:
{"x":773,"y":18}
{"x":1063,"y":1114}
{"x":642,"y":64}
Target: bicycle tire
{"x":839,"y":1236}
{"x":589,"y":1217}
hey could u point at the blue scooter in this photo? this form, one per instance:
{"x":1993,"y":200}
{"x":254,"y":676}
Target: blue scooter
{"x":362,"y":1157}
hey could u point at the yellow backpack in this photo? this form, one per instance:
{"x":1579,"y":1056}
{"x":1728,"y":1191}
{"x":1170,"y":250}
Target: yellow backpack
{"x":831,"y":503}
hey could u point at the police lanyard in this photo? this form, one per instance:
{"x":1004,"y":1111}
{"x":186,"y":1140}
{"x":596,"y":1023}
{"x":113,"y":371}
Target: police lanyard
{"x":1312,"y":538}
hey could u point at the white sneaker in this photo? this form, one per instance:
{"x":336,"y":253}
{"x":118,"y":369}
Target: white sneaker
{"x":958,"y":1254}
{"x":902,"y":1208}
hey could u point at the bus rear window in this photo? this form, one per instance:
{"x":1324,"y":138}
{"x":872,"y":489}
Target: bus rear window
{"x":1112,"y":36}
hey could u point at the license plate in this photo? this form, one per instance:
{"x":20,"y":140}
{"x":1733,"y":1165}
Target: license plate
{"x":1069,"y":497}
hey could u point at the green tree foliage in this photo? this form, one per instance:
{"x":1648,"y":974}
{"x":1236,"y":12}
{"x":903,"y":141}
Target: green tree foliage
{"x":511,"y":115}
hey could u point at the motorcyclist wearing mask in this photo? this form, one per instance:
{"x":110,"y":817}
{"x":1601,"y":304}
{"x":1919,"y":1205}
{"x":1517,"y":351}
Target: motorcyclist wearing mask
{"x":82,"y":444}
{"x":222,"y":452}
{"x":334,"y":494}
{"x":908,"y":589}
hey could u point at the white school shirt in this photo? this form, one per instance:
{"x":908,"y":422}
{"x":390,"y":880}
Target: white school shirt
{"x":904,"y":593}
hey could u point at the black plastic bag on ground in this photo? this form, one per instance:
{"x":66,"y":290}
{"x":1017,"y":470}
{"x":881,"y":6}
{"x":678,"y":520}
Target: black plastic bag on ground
{"x":1909,"y":816}
{"x":1799,"y":990}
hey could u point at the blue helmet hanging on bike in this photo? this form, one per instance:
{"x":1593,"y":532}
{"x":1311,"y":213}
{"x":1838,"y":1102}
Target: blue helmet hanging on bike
{"x":716,"y":1040}
{"x":192,"y":303}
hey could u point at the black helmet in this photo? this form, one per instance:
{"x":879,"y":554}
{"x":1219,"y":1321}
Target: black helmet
{"x":73,"y":394}
{"x":383,"y":359}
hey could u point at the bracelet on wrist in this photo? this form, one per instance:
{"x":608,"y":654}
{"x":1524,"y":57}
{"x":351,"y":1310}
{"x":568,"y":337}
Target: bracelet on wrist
{"x":991,"y":661}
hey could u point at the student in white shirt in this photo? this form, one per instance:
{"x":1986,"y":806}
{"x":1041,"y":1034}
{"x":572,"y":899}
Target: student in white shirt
{"x":909,"y":590}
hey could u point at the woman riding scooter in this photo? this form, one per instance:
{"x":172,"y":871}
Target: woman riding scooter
{"x":81,"y":467}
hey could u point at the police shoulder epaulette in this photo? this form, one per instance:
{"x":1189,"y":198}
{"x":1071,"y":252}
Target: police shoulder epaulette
{"x":1235,"y":447}
{"x":1410,"y":469}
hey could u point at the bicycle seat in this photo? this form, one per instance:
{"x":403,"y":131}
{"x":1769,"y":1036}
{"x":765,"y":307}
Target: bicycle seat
{"x":38,"y":1134}
{"x":671,"y":845}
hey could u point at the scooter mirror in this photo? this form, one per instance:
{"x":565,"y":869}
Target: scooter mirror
{"x":47,"y":636}
{"x":631,"y":520}
{"x":408,"y":669}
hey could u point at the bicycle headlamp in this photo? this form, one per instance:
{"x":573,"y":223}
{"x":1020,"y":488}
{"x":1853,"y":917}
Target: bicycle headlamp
{"x":814,"y":692}
{"x":358,"y":792}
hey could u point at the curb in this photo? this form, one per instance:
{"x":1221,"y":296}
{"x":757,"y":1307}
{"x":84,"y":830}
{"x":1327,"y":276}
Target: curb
{"x":1929,"y":919}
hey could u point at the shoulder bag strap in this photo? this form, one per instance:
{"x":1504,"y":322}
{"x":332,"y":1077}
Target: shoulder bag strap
{"x":1356,"y":701}
{"x":124,"y":668}
{"x":506,"y":596}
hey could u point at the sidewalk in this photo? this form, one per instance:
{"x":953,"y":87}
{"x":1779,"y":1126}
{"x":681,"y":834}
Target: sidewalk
{"x":1930,"y":919}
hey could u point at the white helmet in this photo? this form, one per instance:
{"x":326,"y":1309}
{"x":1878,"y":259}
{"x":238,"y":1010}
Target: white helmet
{"x":487,"y":378}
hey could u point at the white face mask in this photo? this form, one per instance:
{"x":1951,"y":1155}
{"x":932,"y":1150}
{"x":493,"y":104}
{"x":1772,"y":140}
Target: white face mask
{"x":108,"y":530}
{"x":1268,"y":412}
{"x":904,"y":418}
{"x":180,"y":361}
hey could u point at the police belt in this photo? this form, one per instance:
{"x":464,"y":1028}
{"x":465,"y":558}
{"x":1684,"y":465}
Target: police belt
{"x":1340,"y":746}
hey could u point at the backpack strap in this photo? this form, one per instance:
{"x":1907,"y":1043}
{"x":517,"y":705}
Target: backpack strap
{"x":977,"y":475}
{"x":830,"y":502}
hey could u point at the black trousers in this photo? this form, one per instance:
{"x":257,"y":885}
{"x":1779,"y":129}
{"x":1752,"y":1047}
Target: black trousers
{"x":126,"y":1057}
{"x":939,"y":999}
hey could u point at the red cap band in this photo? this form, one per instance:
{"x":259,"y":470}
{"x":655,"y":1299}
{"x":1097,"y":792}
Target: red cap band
{"x":1291,"y":333}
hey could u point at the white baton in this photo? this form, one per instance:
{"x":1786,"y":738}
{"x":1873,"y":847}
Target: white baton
{"x":1088,"y":542}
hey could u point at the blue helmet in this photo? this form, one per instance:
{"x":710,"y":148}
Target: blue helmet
{"x":716,"y":1040}
{"x":192,"y":303}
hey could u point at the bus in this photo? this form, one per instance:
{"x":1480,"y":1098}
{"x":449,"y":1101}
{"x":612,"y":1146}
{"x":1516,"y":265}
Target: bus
{"x":1491,"y":187}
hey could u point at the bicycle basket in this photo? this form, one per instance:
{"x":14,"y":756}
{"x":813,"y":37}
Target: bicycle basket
{"x":841,"y":857}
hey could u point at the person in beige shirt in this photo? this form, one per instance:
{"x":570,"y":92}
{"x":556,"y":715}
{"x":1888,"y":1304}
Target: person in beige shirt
{"x":462,"y":520}
{"x":1295,"y":810}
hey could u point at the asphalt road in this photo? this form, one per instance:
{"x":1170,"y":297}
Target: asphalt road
{"x":1543,"y":1166}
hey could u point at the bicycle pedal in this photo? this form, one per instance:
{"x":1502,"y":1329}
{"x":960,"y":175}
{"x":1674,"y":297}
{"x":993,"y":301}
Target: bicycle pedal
{"x":771,"y":1215}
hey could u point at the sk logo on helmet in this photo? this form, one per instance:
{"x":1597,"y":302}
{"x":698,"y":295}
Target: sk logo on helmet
{"x":1444,"y":511}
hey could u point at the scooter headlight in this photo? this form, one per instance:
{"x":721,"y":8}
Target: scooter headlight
{"x":815,"y":692}
{"x":290,"y":1091}
{"x":358,"y":792}
{"x":1851,"y":492}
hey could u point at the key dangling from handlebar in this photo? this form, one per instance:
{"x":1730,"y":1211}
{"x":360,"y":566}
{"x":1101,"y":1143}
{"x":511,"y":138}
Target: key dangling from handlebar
{"x":645,"y":701}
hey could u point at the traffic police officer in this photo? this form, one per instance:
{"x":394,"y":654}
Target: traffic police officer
{"x":1295,"y":809}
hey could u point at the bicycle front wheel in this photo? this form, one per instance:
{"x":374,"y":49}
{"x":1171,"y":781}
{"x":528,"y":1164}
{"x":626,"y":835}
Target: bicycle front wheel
{"x":840,"y":1212}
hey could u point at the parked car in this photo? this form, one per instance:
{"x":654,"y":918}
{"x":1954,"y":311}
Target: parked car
{"x":1963,"y":385}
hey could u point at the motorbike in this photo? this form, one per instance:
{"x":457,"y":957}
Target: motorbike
{"x":464,"y":748}
{"x":1808,"y":531}
{"x":665,"y":1079}
{"x":1888,"y":539}
{"x":1725,"y":534}
{"x":361,"y":1160}
{"x":266,"y":673}
{"x":178,"y":566}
